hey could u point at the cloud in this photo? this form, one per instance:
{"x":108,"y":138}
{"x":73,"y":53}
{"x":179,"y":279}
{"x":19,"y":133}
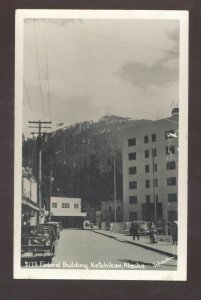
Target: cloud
{"x":89,"y":67}
{"x":162,"y":73}
{"x":174,"y":36}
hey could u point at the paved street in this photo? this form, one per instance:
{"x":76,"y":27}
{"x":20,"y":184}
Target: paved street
{"x":87,"y":249}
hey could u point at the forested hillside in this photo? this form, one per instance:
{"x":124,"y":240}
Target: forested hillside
{"x":82,"y":159}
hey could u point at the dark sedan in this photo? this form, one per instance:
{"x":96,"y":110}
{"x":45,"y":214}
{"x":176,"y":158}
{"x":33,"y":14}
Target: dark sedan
{"x":37,"y":244}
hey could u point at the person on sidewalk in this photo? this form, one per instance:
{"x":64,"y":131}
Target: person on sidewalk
{"x":152,"y":234}
{"x":135,"y":230}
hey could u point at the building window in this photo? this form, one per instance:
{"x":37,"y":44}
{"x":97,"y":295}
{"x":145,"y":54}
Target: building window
{"x":54,"y":205}
{"x":133,"y":199}
{"x":172,"y":197}
{"x":132,"y":185}
{"x":132,"y":156}
{"x":170,"y":134}
{"x":132,"y":142}
{"x":148,"y":199}
{"x":110,"y":208}
{"x":155,"y":182}
{"x":171,"y":181}
{"x":132,"y":170}
{"x":153,"y":137}
{"x":146,"y":139}
{"x":146,"y":153}
{"x":118,"y":208}
{"x":66,"y":205}
{"x":63,"y":205}
{"x":172,"y":215}
{"x":171,"y":165}
{"x":146,"y":168}
{"x":75,"y":205}
{"x":170,"y":150}
{"x":154,"y":152}
{"x":147,"y":183}
{"x":154,"y":167}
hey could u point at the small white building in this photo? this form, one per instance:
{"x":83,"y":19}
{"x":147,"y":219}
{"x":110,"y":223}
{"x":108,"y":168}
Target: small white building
{"x":67,"y":211}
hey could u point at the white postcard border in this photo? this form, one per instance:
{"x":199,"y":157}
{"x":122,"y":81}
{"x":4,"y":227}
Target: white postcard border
{"x":36,"y":273}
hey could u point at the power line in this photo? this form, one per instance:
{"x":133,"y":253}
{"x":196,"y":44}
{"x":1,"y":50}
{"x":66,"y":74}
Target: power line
{"x":38,"y":66}
{"x":128,"y":42}
{"x":113,"y":47}
{"x":26,"y":92}
{"x":46,"y":54}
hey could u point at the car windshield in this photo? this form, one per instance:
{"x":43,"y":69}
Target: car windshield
{"x":37,"y":232}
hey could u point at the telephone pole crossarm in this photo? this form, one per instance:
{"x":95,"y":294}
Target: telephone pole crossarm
{"x":42,"y":122}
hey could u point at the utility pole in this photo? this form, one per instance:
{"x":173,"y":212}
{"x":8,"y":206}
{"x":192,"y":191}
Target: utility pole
{"x":51,"y":179}
{"x":39,"y":127}
{"x":155,"y":204}
{"x":115,"y":194}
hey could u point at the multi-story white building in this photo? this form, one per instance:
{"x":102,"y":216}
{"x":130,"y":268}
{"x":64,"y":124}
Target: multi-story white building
{"x":150,"y":171}
{"x":67,"y":211}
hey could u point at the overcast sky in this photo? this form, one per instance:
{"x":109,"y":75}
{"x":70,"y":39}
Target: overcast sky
{"x":77,"y":70}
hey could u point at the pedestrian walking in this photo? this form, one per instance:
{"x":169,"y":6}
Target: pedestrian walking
{"x":135,"y":230}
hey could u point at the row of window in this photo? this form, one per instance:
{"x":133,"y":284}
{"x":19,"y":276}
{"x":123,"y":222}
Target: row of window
{"x":172,"y":197}
{"x":169,"y":150}
{"x":170,"y":165}
{"x":171,"y":181}
{"x":64,"y":205}
{"x":172,"y":215}
{"x":168,"y":135}
{"x":132,"y":141}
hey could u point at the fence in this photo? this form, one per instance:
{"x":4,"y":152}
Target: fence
{"x":119,"y":227}
{"x":124,"y":227}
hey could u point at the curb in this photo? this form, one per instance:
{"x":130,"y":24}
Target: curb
{"x":140,"y":245}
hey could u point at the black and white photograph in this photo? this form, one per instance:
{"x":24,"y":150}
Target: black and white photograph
{"x":101,"y":133}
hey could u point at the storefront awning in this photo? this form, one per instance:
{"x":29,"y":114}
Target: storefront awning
{"x":31,"y":204}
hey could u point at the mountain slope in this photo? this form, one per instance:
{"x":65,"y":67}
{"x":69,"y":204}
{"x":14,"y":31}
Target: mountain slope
{"x":81,"y":157}
{"x":84,"y":158}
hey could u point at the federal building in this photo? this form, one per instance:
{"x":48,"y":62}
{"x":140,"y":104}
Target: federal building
{"x":150,"y":171}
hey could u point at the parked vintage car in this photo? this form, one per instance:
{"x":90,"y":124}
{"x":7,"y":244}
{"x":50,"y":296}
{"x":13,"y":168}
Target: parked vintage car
{"x":143,"y":227}
{"x":160,"y":228}
{"x":52,"y":228}
{"x":60,"y":226}
{"x":37,"y":244}
{"x":56,"y":227}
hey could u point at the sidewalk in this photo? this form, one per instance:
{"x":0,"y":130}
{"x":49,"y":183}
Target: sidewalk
{"x":163,"y":247}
